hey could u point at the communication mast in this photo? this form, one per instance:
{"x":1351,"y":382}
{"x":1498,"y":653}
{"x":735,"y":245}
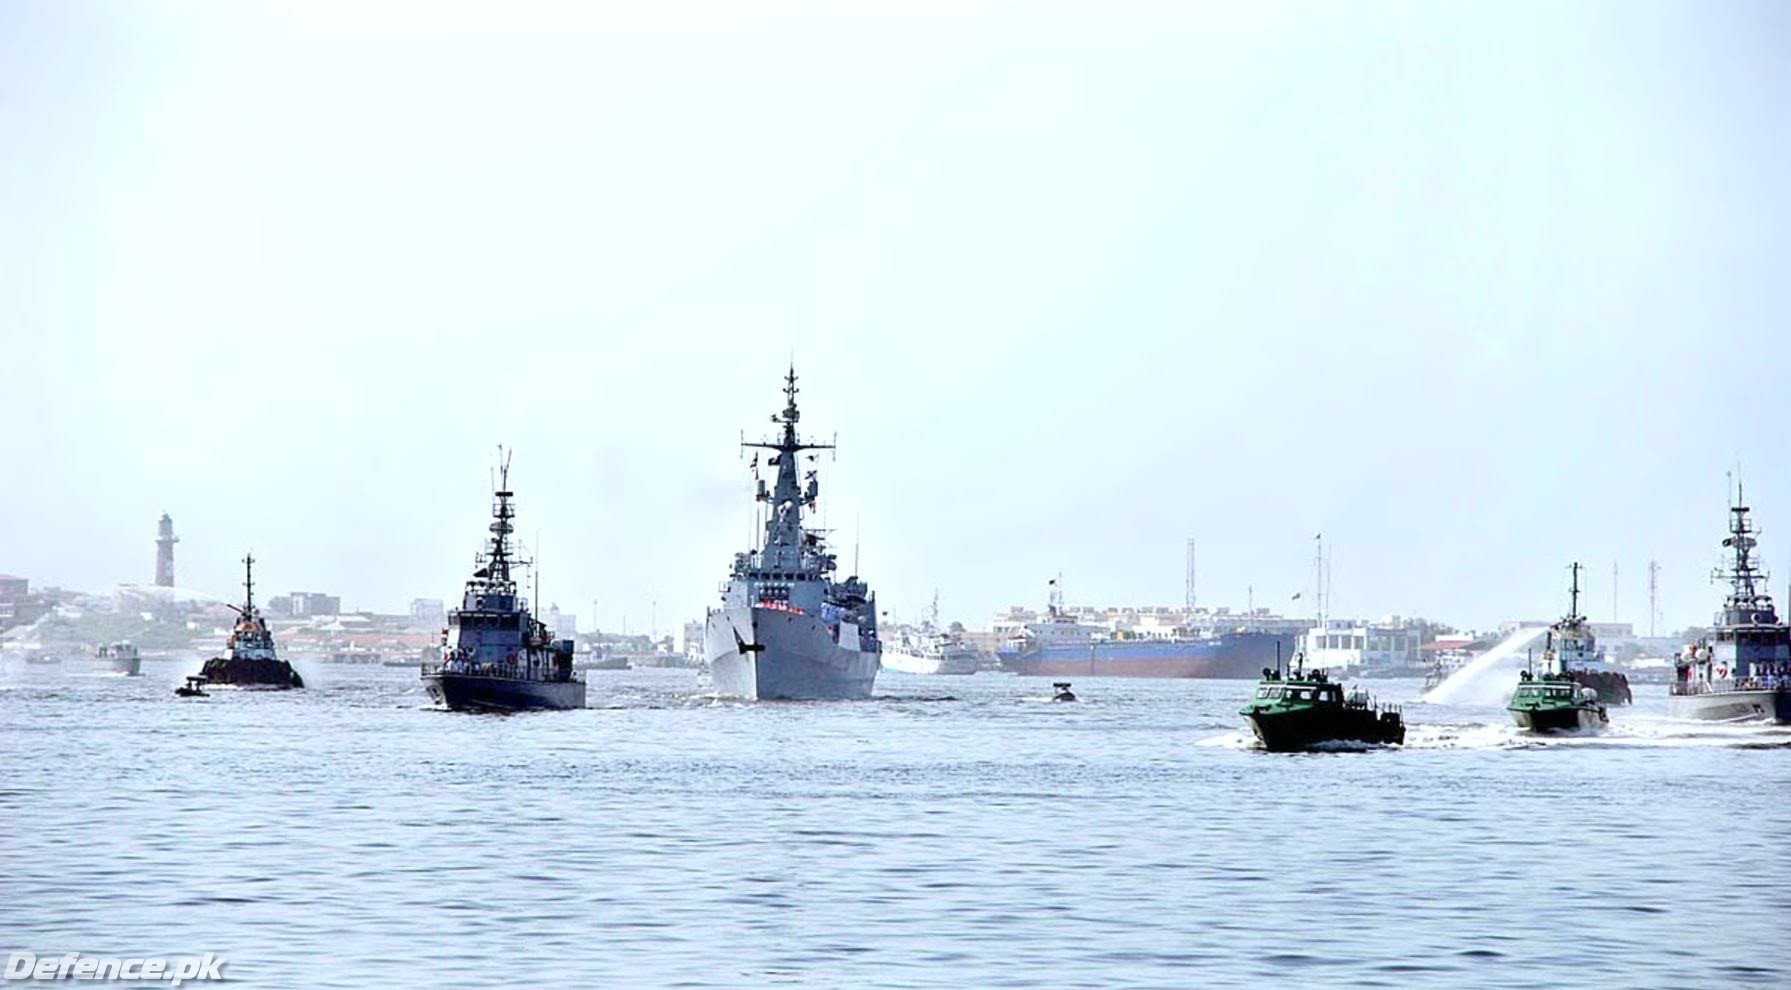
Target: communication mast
{"x":1653,"y":595}
{"x":1190,"y":587}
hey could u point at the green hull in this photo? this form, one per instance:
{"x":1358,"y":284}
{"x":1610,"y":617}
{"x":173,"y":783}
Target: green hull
{"x":1560,"y":718}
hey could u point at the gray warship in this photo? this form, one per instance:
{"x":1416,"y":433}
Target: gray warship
{"x":786,"y":630}
{"x":249,"y":659}
{"x":495,"y":655}
{"x":1742,"y":672}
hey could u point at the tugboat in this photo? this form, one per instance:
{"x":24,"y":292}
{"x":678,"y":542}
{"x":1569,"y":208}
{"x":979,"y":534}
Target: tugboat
{"x":1556,"y":700}
{"x":1745,"y":674}
{"x":193,"y":688}
{"x":786,"y":629}
{"x":119,"y":658}
{"x":250,"y":660}
{"x":495,"y":655}
{"x":1307,"y":709}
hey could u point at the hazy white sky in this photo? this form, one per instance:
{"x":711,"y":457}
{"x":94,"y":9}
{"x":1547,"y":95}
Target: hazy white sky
{"x":1474,"y":289}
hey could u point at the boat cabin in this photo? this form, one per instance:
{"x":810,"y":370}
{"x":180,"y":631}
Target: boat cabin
{"x":1298,"y":691}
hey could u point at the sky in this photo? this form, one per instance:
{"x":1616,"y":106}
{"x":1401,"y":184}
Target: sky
{"x":1472,"y":289}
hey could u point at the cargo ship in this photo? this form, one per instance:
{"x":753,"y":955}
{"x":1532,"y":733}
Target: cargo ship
{"x":1059,"y":646}
{"x":1742,"y":672}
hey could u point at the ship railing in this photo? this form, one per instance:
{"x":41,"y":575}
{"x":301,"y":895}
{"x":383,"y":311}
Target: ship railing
{"x":1771,"y":682}
{"x":496,"y":671}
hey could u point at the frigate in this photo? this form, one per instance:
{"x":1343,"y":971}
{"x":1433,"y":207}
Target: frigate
{"x":495,"y":655}
{"x":1742,"y":671}
{"x":786,"y":629}
{"x":250,"y":659}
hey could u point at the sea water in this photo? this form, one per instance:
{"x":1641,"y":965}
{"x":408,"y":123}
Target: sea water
{"x":952,"y":832}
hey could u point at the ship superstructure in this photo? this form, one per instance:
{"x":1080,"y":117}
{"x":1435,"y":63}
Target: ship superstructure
{"x":786,"y":628}
{"x":250,"y":658}
{"x":122,"y":657}
{"x":927,"y":649}
{"x":1742,"y":671}
{"x":495,"y":655}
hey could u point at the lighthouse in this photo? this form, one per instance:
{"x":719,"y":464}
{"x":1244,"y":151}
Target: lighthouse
{"x":164,"y":552}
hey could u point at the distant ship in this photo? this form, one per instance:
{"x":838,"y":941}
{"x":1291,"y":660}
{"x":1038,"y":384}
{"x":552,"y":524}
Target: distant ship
{"x":1060,"y":646}
{"x":119,"y":658}
{"x":786,"y":629}
{"x":495,"y":655}
{"x":929,"y":650}
{"x":249,"y":659}
{"x":1555,"y":700}
{"x":1745,"y":674}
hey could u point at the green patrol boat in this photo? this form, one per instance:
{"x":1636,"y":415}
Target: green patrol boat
{"x":1554,"y":701}
{"x":1307,"y":709}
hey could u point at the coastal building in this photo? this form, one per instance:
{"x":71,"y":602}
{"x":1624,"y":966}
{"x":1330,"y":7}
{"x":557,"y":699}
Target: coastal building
{"x":428,"y":613}
{"x":1352,"y":643}
{"x":304,"y":604}
{"x":564,"y":624}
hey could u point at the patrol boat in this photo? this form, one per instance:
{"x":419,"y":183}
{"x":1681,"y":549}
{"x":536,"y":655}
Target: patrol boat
{"x":1555,"y":700}
{"x":786,"y":629}
{"x":1745,"y":673}
{"x":250,"y":660}
{"x":1307,"y":709}
{"x":495,"y":655}
{"x":119,"y":658}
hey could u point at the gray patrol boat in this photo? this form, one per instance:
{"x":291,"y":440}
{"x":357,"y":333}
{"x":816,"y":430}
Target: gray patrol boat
{"x":786,"y":629}
{"x":495,"y":655}
{"x":1745,"y":674}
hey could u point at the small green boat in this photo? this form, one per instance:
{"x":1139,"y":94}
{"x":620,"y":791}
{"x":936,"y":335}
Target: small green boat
{"x":1554,"y":700}
{"x":1307,"y":709}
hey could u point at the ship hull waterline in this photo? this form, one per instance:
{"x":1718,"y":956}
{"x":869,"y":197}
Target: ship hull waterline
{"x":1292,"y":732}
{"x":1559,"y":720}
{"x":1236,"y":656}
{"x":1766,"y":705}
{"x":250,"y":672}
{"x":909,"y":663}
{"x":769,"y":654}
{"x":475,"y":692}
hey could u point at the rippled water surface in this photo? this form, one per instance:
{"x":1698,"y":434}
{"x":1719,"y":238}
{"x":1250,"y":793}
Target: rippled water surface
{"x":955,"y":832}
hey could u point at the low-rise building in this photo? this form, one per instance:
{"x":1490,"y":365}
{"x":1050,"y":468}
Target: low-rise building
{"x":1389,"y":643}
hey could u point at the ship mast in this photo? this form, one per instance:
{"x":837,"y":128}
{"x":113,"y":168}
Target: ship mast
{"x":1745,"y":578}
{"x":788,"y":497}
{"x":1573,"y":607}
{"x":248,"y":585}
{"x":496,"y":571}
